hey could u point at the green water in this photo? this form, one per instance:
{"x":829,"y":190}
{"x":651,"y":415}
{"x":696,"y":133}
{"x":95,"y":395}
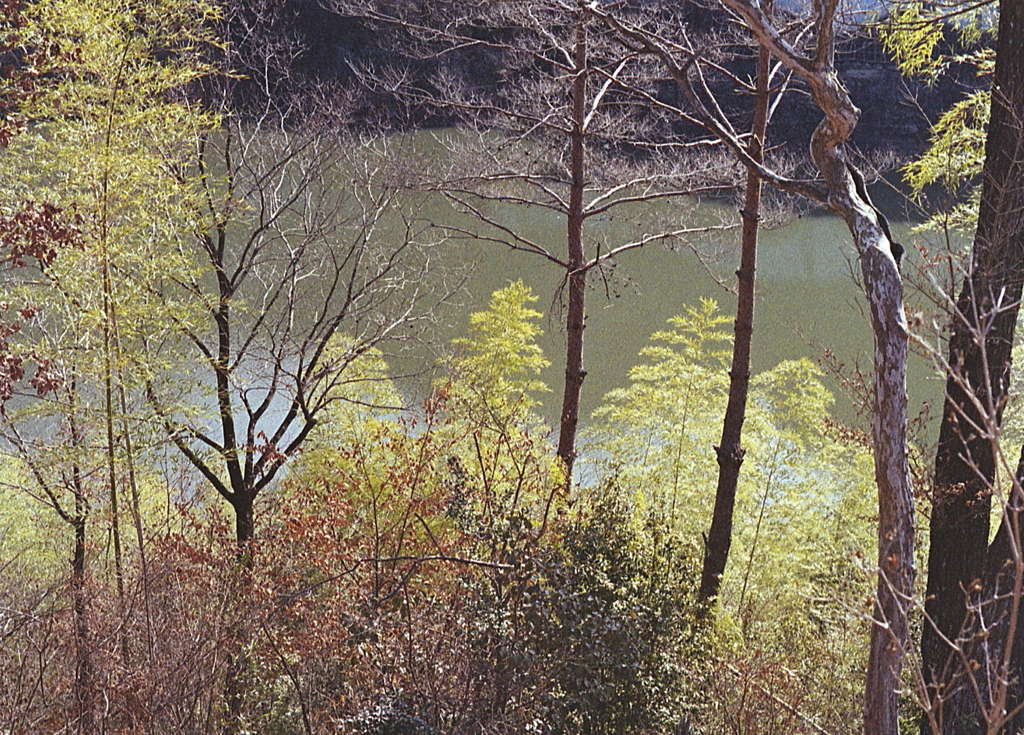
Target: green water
{"x":808,"y":302}
{"x":808,"y":305}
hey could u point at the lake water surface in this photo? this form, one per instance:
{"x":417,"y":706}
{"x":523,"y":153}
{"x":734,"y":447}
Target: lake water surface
{"x":807,"y":305}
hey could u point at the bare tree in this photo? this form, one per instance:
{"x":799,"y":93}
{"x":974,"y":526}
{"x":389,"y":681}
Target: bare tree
{"x":568,"y":128}
{"x":309,"y":255}
{"x":883,"y":289}
{"x":310,"y":262}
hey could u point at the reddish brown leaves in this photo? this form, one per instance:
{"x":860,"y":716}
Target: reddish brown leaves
{"x":37,"y":231}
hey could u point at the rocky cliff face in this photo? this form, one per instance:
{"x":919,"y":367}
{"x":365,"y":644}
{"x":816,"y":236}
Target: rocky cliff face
{"x":895,"y":112}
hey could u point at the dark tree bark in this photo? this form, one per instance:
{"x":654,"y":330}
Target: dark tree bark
{"x":576,"y":273}
{"x":245,"y":527}
{"x":978,"y":378}
{"x":1001,"y":650}
{"x":883,"y":289}
{"x":730,"y":451}
{"x":85,"y":677}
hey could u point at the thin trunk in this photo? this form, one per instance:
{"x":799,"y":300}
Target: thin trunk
{"x":108,"y":407}
{"x":730,"y":451}
{"x":576,"y":275}
{"x":137,"y":519}
{"x":84,"y":684}
{"x":108,"y":366}
{"x":84,"y":676}
{"x":890,"y":632}
{"x":979,"y":368}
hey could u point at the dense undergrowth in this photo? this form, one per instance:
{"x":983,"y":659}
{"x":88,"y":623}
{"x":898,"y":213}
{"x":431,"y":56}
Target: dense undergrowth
{"x":433,"y":572}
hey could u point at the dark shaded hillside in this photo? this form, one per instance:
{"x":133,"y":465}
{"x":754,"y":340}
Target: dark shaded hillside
{"x":895,"y":111}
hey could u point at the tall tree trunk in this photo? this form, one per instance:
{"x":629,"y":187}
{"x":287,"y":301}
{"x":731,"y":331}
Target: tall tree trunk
{"x":576,"y":274}
{"x":883,"y":289}
{"x":136,"y":511}
{"x":730,"y":451}
{"x":108,"y":409}
{"x":108,"y":346}
{"x":84,"y":679}
{"x":85,"y":685}
{"x":890,"y":633}
{"x":979,"y":368}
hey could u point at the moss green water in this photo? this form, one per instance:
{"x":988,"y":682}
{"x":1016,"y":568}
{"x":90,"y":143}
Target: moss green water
{"x":808,"y":303}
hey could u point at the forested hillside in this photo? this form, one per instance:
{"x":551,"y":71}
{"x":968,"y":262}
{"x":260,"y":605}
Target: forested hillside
{"x":247,"y":486}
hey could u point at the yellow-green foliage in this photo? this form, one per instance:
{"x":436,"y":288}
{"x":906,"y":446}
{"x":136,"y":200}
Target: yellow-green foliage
{"x":112,"y":124}
{"x":29,"y":541}
{"x":490,"y":393}
{"x":661,"y":425}
{"x":801,"y":489}
{"x":494,"y":375}
{"x":806,"y":497}
{"x":913,"y":36}
{"x":957,"y":146}
{"x":30,"y":538}
{"x":914,"y":33}
{"x":500,"y":358}
{"x":911,"y":39}
{"x":364,"y":405}
{"x":475,"y":443}
{"x":954,"y":159}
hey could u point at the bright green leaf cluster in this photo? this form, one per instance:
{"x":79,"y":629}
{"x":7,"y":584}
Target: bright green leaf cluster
{"x":911,"y":40}
{"x":954,"y":159}
{"x":916,"y":36}
{"x":806,"y":489}
{"x":498,"y":367}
